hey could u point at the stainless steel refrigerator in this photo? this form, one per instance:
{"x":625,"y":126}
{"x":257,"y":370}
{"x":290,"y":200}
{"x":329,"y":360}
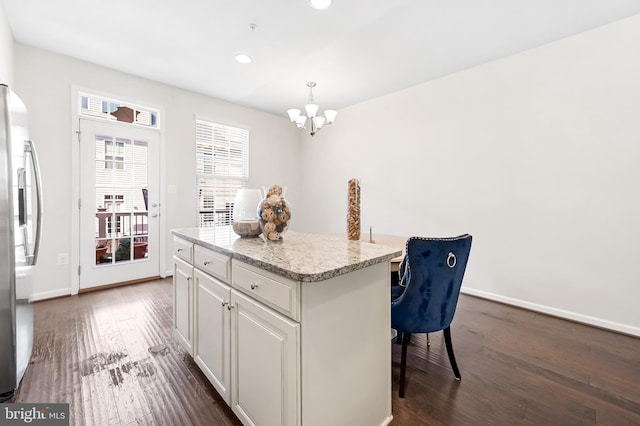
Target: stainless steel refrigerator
{"x":20,"y":230}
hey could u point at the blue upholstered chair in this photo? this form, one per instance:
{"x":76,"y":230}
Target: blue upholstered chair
{"x":425,"y":301}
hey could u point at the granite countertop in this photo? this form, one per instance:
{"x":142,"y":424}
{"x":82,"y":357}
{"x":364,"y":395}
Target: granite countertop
{"x":298,"y":256}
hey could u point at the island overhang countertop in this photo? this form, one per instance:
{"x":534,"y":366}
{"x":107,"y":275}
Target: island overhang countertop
{"x":298,"y":256}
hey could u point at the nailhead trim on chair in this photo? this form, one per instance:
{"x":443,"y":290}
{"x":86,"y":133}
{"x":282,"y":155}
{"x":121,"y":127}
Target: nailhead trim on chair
{"x":459,"y":237}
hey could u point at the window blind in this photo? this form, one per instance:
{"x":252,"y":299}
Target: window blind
{"x":222,"y":167}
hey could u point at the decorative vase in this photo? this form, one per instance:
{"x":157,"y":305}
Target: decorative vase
{"x":245,"y":221}
{"x":353,"y":213}
{"x":274,"y":213}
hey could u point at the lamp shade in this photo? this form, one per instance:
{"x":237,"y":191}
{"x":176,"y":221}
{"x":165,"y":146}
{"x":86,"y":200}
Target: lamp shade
{"x":311,"y":109}
{"x":330,"y":115}
{"x":301,"y":121}
{"x":293,"y":114}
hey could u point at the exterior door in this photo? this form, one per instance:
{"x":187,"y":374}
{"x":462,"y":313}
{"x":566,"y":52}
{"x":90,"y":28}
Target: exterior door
{"x":119,"y":187}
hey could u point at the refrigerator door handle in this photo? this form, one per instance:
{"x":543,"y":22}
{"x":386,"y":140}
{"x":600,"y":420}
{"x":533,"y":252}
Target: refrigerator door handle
{"x":22,"y":211}
{"x":22,"y":198}
{"x":29,"y":148}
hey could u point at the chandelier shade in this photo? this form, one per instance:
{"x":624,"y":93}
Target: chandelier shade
{"x":311,"y":109}
{"x":293,"y":114}
{"x":330,"y":115}
{"x":310,"y":121}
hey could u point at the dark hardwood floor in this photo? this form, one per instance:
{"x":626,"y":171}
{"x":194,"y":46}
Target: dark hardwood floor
{"x":102,"y":353}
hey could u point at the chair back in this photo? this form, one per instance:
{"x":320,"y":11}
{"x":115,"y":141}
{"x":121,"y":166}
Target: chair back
{"x":433,"y":273}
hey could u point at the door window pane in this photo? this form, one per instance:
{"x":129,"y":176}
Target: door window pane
{"x":121,"y":199}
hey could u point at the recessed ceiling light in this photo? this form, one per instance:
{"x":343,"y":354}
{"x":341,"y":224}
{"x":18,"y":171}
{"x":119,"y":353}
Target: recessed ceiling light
{"x":320,"y":4}
{"x":243,"y":59}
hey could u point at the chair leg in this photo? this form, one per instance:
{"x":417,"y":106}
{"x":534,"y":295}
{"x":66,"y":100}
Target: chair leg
{"x":428,"y":341}
{"x":452,"y":358}
{"x":406,"y":337}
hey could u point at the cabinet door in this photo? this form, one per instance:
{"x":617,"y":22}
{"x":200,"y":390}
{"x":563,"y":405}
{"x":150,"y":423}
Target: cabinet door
{"x":182,"y":303}
{"x":265,"y":364}
{"x":212,"y":343}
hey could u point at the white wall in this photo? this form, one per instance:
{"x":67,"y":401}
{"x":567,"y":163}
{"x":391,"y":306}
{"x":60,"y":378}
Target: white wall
{"x":536,"y":155}
{"x":44,"y":81}
{"x":6,"y":49}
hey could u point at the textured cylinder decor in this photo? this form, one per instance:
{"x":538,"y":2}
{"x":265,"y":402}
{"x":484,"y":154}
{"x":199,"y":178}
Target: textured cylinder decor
{"x":353,"y":215}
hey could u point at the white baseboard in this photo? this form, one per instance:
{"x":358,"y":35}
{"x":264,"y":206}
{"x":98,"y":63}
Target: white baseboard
{"x":66,"y":291}
{"x":573,"y":316}
{"x":50,"y":294}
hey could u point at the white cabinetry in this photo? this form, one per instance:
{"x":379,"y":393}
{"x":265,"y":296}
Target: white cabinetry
{"x":265,"y":363}
{"x":283,"y":352}
{"x":183,"y":294}
{"x":215,"y":264}
{"x":213,"y":331}
{"x":278,"y":293}
{"x":212,"y":318}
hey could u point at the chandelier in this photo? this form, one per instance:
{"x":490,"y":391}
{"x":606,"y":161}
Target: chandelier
{"x":311,"y":121}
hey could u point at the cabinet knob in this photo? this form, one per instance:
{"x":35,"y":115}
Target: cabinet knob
{"x":179,"y":250}
{"x":206,"y":262}
{"x":230,"y":306}
{"x":254,"y":286}
{"x":224,"y":304}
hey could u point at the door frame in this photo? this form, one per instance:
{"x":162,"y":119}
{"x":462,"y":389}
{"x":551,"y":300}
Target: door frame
{"x":74,"y":258}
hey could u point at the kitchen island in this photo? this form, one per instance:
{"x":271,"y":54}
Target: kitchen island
{"x":293,"y":332}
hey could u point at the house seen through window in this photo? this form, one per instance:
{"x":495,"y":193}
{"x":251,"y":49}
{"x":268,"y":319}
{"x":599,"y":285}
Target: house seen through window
{"x":114,"y":155}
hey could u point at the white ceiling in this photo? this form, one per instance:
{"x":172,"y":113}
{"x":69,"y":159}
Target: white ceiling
{"x":355,"y":50}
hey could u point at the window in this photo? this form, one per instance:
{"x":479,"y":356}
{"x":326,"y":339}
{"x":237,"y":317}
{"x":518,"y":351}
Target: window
{"x":114,"y":155}
{"x":108,"y":109}
{"x":110,"y":198}
{"x":222,"y":167}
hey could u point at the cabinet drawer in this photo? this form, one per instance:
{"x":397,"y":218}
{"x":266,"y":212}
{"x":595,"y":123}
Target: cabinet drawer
{"x":212,"y":263}
{"x":275,"y":291}
{"x":183,"y":249}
